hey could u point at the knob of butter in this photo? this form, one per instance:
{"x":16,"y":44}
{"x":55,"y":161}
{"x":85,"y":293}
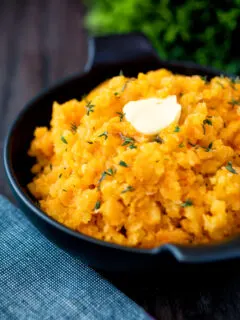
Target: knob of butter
{"x":150,"y":116}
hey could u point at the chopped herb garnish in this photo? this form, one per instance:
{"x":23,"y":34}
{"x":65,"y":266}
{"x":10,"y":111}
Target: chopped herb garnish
{"x":181,"y":94}
{"x":121,"y":73}
{"x":132,"y":146}
{"x":230,"y":168}
{"x":192,"y":144}
{"x":110,"y":172}
{"x":64,"y":190}
{"x":123,"y":164}
{"x":206,"y":122}
{"x":209,"y":147}
{"x":177,"y":129}
{"x":50,"y":166}
{"x":104,"y":134}
{"x":127,"y":140}
{"x":90,"y":142}
{"x":102,"y":177}
{"x":234,"y":102}
{"x":60,"y":176}
{"x":187,"y":203}
{"x":64,"y":140}
{"x":74,"y":127}
{"x":90,"y":107}
{"x":123,"y":88}
{"x":204,"y":78}
{"x":158,"y":140}
{"x":128,"y":189}
{"x":97,"y":205}
{"x":181,"y":145}
{"x":121,"y":115}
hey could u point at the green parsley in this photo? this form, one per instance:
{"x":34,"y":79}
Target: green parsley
{"x":64,"y":190}
{"x":234,"y":102}
{"x":74,"y":127}
{"x":181,"y":145}
{"x":104,"y":134}
{"x":121,"y":115}
{"x":177,"y":129}
{"x":90,"y":107}
{"x":187,"y":203}
{"x":50,"y":166}
{"x":60,"y":176}
{"x":127,"y":140}
{"x":90,"y":142}
{"x":230,"y":168}
{"x":121,"y":73}
{"x":128,"y":189}
{"x":102,"y":177}
{"x":132,"y":146}
{"x":110,"y":172}
{"x":192,"y":144}
{"x":123,"y":88}
{"x":64,"y":140}
{"x":123,"y":164}
{"x":209,"y":147}
{"x":97,"y":205}
{"x":206,"y":122}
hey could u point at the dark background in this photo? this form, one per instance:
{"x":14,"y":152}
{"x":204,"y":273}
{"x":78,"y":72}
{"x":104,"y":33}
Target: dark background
{"x":42,"y":41}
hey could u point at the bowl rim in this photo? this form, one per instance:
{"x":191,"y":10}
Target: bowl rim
{"x":199,"y":253}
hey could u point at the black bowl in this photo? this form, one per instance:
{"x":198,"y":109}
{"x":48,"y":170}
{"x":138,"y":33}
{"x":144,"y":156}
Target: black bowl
{"x":108,"y":55}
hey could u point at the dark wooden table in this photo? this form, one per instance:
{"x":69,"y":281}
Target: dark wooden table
{"x":42,"y":41}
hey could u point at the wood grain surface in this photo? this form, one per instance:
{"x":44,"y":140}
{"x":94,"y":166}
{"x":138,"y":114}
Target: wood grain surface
{"x":41,"y":42}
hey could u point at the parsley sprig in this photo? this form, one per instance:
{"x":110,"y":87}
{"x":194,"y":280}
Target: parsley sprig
{"x":230,"y":168}
{"x":123,"y":164}
{"x":187,"y":203}
{"x":104,"y":134}
{"x":209,"y":147}
{"x":128,"y":141}
{"x":64,"y":140}
{"x":97,"y":205}
{"x":121,"y":115}
{"x":206,"y":122}
{"x":89,"y":107}
{"x":177,"y":129}
{"x":128,"y":189}
{"x":108,"y":172}
{"x":73,"y":127}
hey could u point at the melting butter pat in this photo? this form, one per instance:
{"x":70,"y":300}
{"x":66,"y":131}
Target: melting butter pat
{"x":150,"y":116}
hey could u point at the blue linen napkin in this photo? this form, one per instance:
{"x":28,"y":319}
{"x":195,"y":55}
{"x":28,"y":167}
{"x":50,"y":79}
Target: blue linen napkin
{"x":38,"y":280}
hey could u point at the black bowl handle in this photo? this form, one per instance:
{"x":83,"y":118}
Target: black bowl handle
{"x":120,"y":48}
